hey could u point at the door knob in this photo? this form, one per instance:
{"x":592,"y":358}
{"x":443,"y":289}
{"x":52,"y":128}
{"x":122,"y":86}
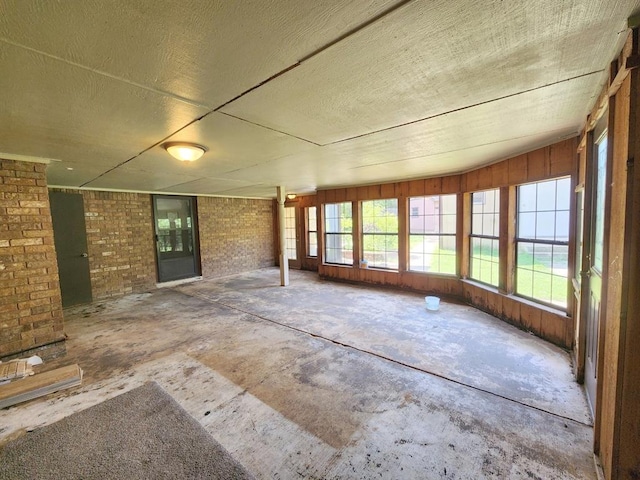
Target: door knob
{"x":84,"y":255}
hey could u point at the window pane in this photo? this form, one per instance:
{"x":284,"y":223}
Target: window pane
{"x":545,"y":225}
{"x":485,"y":260}
{"x":527,"y":225}
{"x":485,"y":213}
{"x":448,"y":224}
{"x":542,"y":287}
{"x":546,"y":197}
{"x":562,"y":226}
{"x":542,"y":268}
{"x":496,"y":225}
{"x":417,"y":253}
{"x":495,"y":274}
{"x":559,"y":291}
{"x":432,"y":241}
{"x":338,"y":217}
{"x":579,"y":234}
{"x":527,"y":198}
{"x":313,"y":244}
{"x":312,"y":235}
{"x":524,"y":282}
{"x":290,"y":232}
{"x":488,"y":221}
{"x":416,"y":224}
{"x":448,"y":205}
{"x":338,"y":237}
{"x":524,"y":257}
{"x":476,"y":224}
{"x":601,"y":176}
{"x":339,"y":249}
{"x":312,"y":223}
{"x":563,"y":193}
{"x":380,"y":233}
{"x":492,"y":200}
{"x":560,"y":260}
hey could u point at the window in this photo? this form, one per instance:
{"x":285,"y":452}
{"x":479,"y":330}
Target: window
{"x":601,"y":176}
{"x":542,"y":241}
{"x":338,"y":233}
{"x":312,"y":232}
{"x":432,"y":234}
{"x":380,"y":233}
{"x":290,"y":232}
{"x":579,"y":233}
{"x":485,"y":230}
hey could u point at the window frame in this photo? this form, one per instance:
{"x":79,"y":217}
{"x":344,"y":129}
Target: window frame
{"x":326,"y":234}
{"x":289,"y":228}
{"x":495,"y":239}
{"x":438,"y":235}
{"x":395,"y":234}
{"x":309,"y":230}
{"x":518,"y":240}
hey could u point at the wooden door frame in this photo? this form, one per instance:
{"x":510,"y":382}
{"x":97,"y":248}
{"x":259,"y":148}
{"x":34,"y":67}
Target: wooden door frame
{"x":299,"y":229}
{"x":589,"y":199}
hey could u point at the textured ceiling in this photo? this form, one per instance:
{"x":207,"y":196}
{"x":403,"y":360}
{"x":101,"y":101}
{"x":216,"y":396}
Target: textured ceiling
{"x":307,"y":95}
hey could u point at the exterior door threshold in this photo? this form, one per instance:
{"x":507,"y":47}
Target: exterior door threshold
{"x":175,"y":283}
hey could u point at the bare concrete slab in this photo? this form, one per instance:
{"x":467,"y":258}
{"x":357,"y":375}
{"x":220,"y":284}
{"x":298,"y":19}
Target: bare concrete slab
{"x":290,"y":383}
{"x":457,"y":342}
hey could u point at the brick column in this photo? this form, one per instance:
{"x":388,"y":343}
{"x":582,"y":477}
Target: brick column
{"x":30,"y":302}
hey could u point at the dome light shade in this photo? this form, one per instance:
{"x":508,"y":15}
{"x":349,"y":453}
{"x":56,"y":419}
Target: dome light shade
{"x":186,"y":152}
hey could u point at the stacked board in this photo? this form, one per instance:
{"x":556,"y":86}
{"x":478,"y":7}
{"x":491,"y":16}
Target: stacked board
{"x":39,"y":385}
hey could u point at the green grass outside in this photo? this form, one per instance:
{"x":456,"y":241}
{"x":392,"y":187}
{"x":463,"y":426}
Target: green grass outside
{"x":534,"y":278}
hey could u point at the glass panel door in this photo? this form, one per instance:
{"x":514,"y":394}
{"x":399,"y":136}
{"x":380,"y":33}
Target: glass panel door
{"x":176,"y":238}
{"x":596,"y":266}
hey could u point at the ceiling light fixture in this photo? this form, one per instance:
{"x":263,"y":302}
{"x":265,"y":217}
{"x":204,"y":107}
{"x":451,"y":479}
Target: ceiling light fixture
{"x":186,"y":152}
{"x":291,"y":196}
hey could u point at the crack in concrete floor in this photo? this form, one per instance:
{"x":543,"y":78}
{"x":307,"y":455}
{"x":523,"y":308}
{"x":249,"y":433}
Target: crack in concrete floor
{"x":389,"y":359}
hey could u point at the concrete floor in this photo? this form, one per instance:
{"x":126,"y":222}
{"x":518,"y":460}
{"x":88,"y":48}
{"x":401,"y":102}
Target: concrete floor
{"x":327,"y":380}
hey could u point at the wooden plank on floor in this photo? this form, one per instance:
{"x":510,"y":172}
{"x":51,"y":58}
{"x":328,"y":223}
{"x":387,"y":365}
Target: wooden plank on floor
{"x":39,"y":385}
{"x":14,"y":369}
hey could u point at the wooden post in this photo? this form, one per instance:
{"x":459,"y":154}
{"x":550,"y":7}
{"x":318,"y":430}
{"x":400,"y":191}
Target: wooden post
{"x":403,"y":234}
{"x":508,"y":212}
{"x":284,"y":261}
{"x":463,"y":228}
{"x":358,"y":248}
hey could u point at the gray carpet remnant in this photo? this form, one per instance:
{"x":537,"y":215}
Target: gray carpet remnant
{"x":141,"y":434}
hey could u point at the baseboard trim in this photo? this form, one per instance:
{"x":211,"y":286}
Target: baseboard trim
{"x":598,"y":465}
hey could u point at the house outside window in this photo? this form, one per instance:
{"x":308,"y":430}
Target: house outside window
{"x":432,"y":234}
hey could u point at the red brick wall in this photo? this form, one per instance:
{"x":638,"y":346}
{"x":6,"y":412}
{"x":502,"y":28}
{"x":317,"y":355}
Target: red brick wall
{"x":30,"y":302}
{"x":120,"y":242}
{"x":236,"y":235}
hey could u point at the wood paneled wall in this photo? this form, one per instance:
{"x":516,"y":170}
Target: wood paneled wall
{"x":617,"y":425}
{"x":556,"y":160}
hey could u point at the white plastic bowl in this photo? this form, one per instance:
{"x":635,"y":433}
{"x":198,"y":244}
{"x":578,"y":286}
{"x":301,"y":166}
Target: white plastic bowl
{"x":433,"y":303}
